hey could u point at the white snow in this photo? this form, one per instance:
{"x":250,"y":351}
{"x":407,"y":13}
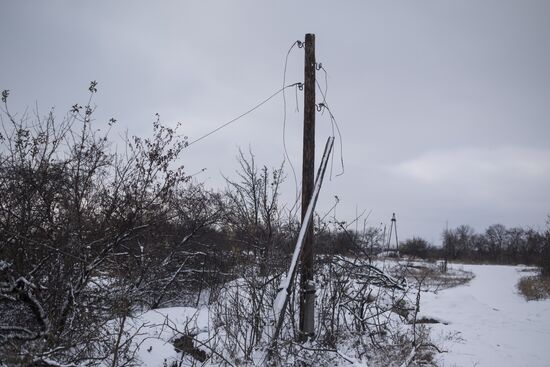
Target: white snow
{"x":156,"y":330}
{"x":490,"y":323}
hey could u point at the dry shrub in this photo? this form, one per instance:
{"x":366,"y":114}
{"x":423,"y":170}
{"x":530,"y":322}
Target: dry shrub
{"x":534,"y":287}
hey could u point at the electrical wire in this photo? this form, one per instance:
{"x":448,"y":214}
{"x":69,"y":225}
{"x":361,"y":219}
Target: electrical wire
{"x":286,"y":155}
{"x":320,"y":67}
{"x":243,"y":114}
{"x":334,"y":124}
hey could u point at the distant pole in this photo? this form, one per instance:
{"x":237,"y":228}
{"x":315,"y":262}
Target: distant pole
{"x":445,"y":248}
{"x":394,"y":222}
{"x":389,"y":237}
{"x":384,"y":239}
{"x":393,"y":227}
{"x":307,"y":287}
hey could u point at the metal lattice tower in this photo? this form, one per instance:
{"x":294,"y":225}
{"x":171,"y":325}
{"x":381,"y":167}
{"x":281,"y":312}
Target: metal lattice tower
{"x":393,"y":228}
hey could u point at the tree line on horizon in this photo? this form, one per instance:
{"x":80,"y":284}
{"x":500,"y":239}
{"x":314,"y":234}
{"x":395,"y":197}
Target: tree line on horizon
{"x":496,"y":245}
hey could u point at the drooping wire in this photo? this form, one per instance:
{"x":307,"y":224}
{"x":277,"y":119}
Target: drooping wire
{"x":334,"y":123}
{"x":333,"y":208}
{"x":333,"y":120}
{"x":243,"y":114}
{"x":286,"y":155}
{"x":320,"y":67}
{"x":296,"y":94}
{"x":322,"y":110}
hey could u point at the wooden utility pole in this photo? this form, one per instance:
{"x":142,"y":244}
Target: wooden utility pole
{"x":307,"y":287}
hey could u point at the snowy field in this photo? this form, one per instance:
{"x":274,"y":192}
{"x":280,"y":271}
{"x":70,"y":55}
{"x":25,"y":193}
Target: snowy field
{"x":489,"y":322}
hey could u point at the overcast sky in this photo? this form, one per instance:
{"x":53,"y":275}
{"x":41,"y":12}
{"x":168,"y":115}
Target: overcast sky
{"x":444,"y":106}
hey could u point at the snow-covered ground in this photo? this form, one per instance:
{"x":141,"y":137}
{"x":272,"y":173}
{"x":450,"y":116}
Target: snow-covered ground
{"x":489,"y":322}
{"x":156,"y":330}
{"x":484,"y":323}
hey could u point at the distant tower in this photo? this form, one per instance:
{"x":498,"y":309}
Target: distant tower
{"x":392,"y":226}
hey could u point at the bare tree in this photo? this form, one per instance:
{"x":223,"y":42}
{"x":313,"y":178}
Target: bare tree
{"x":252,"y":207}
{"x":495,"y":236}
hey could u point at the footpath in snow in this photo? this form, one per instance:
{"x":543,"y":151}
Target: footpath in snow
{"x":489,"y":322}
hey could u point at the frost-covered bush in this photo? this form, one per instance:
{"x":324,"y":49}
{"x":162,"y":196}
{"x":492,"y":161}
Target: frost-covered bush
{"x":362,"y":314}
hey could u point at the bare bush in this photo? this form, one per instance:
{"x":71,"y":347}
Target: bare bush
{"x":534,"y":287}
{"x":73,"y":214}
{"x":252,"y":210}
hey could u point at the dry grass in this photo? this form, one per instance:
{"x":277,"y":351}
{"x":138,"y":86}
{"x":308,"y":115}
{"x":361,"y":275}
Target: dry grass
{"x":433,"y":277}
{"x":535,"y":287}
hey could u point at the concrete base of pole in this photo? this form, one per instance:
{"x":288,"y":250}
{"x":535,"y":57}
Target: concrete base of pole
{"x":307,"y":330}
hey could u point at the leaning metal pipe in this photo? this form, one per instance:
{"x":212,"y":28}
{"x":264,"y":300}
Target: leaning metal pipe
{"x":285,"y":287}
